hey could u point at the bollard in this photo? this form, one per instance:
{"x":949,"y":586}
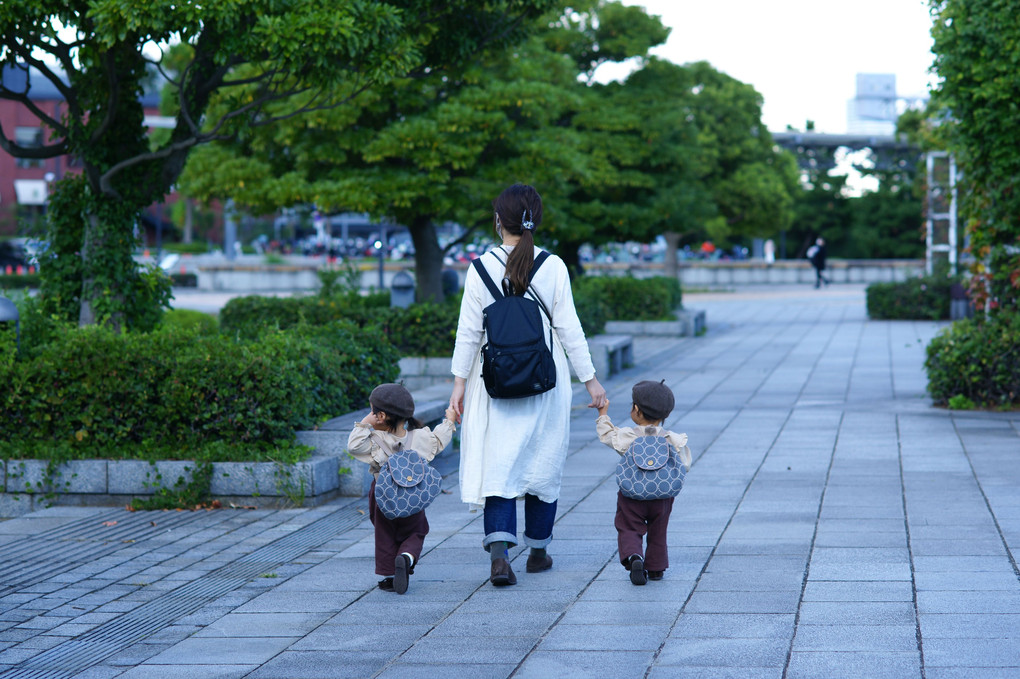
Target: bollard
{"x":402,"y":290}
{"x":9,"y":312}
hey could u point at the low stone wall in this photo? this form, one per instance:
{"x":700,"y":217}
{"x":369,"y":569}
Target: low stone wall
{"x":329,"y":473}
{"x":423,"y":372}
{"x":689,"y":323}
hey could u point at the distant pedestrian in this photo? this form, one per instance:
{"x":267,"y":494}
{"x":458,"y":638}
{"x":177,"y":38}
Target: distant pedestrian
{"x":398,"y":542}
{"x":770,"y":252}
{"x":513,"y":447}
{"x":652,"y":402}
{"x":816,"y":253}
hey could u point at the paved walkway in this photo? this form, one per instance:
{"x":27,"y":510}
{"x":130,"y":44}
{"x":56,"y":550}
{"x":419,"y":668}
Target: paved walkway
{"x":834,"y":524}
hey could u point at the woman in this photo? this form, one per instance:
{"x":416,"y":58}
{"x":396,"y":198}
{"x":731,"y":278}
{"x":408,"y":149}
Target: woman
{"x":514,"y":447}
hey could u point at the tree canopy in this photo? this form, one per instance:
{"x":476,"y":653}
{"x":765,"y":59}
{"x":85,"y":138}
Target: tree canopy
{"x":263,"y":61}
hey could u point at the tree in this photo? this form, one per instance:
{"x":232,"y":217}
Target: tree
{"x":264,"y":61}
{"x":977,"y":47}
{"x":429,"y":149}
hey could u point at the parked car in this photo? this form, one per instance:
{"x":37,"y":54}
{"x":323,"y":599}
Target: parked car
{"x":13,"y":254}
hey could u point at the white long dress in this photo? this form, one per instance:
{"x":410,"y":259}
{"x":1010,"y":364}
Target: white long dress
{"x":514,"y":446}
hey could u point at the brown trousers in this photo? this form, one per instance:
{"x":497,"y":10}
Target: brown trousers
{"x":395,"y":536}
{"x":634,"y":518}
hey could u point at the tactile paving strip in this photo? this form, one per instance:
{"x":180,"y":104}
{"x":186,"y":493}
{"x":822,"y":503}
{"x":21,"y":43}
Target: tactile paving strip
{"x":78,"y":654}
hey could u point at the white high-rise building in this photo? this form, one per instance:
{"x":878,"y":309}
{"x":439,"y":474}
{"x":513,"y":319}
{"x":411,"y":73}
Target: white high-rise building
{"x":874,"y":110}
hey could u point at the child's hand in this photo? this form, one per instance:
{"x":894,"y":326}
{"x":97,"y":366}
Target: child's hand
{"x":604,"y":409}
{"x":371,"y":420}
{"x":451,"y":414}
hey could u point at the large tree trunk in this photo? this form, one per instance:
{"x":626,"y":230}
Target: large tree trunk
{"x":671,"y":268}
{"x":428,"y":260}
{"x":569,"y":253}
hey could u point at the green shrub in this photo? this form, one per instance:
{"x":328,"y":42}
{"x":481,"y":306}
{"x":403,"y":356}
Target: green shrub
{"x":19,"y":281}
{"x":625,"y":299}
{"x":193,"y":248}
{"x":176,"y":394}
{"x":249,"y":316}
{"x":924,"y":298}
{"x":423,"y":329}
{"x":189,"y":319}
{"x":976,"y":360}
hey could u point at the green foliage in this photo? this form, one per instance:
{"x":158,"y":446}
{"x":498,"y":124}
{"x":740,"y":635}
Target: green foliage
{"x":603,"y":298}
{"x":423,"y":329}
{"x":175,"y":394}
{"x":189,"y":319}
{"x":977,"y":48}
{"x":18,"y":281}
{"x":193,"y":248}
{"x":183,"y":493}
{"x":922,"y":298}
{"x":976,"y":361}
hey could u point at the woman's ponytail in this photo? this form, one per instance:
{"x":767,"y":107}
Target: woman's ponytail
{"x":519,"y":212}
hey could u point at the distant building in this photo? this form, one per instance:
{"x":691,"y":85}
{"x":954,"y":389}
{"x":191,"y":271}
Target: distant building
{"x":25,"y":183}
{"x":874,"y":109}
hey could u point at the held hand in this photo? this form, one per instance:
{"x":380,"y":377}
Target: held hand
{"x":457,"y":397}
{"x":451,"y":414}
{"x":604,"y":408}
{"x":597,"y":393}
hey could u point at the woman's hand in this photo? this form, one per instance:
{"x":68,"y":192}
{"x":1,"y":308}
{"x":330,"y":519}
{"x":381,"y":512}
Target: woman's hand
{"x":457,"y":397}
{"x":597,"y":393}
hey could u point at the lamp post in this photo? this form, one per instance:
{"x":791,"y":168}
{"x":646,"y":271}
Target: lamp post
{"x":9,"y":312}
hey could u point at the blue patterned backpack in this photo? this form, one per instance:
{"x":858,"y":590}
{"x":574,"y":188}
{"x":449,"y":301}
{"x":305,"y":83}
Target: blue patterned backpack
{"x":650,"y":470}
{"x":407,"y":484}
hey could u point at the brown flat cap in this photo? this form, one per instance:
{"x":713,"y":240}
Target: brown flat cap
{"x":393,"y":399}
{"x":654,"y":399}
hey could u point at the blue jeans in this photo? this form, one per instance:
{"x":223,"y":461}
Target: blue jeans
{"x":501,"y":521}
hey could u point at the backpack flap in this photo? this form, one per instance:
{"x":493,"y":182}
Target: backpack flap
{"x":407,"y":467}
{"x":650,"y":452}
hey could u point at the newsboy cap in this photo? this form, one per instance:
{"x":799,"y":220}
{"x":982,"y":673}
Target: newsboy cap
{"x":654,"y":399}
{"x":393,"y":399}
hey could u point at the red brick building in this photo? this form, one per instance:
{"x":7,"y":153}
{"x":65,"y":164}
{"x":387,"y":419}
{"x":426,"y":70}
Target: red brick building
{"x":25,"y":183}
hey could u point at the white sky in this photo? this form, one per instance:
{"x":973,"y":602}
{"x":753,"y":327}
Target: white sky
{"x":801,"y":55}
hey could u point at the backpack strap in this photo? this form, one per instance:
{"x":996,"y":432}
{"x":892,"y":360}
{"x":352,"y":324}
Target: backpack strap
{"x":486,"y":278}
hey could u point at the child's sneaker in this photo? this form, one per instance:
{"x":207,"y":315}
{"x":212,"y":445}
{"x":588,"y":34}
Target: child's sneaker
{"x":655,"y":575}
{"x":386,"y":584}
{"x":638,"y":574}
{"x":402,"y":568}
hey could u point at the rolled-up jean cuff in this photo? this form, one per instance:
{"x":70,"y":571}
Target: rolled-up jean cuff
{"x":500,"y":536}
{"x":536,"y":544}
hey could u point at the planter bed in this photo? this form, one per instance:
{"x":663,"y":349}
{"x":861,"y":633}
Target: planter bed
{"x":329,"y":473}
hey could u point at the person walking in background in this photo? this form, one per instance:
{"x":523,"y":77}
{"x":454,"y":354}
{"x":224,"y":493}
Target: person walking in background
{"x":398,"y":542}
{"x":517,"y":446}
{"x":652,"y":402}
{"x":816,"y":253}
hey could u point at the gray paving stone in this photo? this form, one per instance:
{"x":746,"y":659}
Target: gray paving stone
{"x":734,"y":625}
{"x":263,"y":625}
{"x":585,"y":664}
{"x":188,"y":671}
{"x":891,"y":665}
{"x":970,"y":626}
{"x":715,"y":672}
{"x":463,"y":670}
{"x":319,"y":664}
{"x":857,"y":613}
{"x":1004,"y":653}
{"x":605,"y":637}
{"x":876,"y":638}
{"x":743,"y":602}
{"x":481,"y":650}
{"x":743,"y":652}
{"x":223,"y":651}
{"x":898,"y":590}
{"x":987,"y":602}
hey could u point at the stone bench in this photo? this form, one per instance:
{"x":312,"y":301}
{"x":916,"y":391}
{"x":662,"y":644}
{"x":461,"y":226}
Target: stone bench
{"x":610,"y":354}
{"x":688,"y":323}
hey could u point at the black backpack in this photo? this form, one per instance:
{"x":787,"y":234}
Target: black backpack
{"x":516,"y":361}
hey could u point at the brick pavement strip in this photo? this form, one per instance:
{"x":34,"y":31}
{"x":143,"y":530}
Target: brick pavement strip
{"x":834,"y":524}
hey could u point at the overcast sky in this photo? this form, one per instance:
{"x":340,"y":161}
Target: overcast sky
{"x":801,"y":55}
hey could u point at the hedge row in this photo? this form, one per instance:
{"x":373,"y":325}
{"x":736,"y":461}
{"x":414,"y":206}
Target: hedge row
{"x":925,"y":298}
{"x":976,"y":362}
{"x":599,"y":299}
{"x":19,"y":281}
{"x":179,"y":394}
{"x":423,"y":329}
